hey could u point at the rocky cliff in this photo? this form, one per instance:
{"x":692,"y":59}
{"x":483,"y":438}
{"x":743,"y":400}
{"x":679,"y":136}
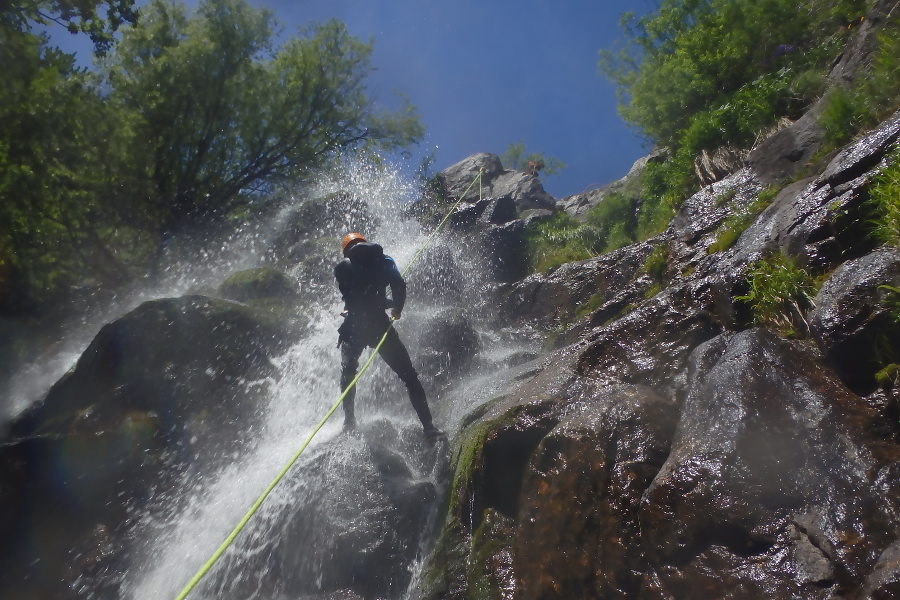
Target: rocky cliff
{"x":669,"y":447}
{"x":665,"y":443}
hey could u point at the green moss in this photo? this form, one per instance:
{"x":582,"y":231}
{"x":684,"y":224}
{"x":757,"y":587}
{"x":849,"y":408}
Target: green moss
{"x":889,"y":376}
{"x":262,"y":282}
{"x":736,"y":224}
{"x":491,"y":544}
{"x":657,"y":262}
{"x":725,"y":197}
{"x":589,"y":306}
{"x":653,"y":290}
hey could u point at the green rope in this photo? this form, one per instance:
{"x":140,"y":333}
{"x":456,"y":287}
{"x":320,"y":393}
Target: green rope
{"x":262,"y":497}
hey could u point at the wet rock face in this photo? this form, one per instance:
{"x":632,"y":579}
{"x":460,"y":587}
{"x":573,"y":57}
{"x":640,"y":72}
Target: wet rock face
{"x":550,"y":298}
{"x":582,"y":491}
{"x":822,"y":221}
{"x":852,"y":321}
{"x":447,"y":346}
{"x":768,"y":489}
{"x":785,"y":152}
{"x":559,"y":464}
{"x":651,"y":343}
{"x":359,"y":542}
{"x":495,"y":215}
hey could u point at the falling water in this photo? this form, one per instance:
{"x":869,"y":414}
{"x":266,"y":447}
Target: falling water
{"x":375,"y":493}
{"x":177,"y":535}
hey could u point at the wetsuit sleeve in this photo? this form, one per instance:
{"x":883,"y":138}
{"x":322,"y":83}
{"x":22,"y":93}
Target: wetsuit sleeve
{"x":398,"y":286}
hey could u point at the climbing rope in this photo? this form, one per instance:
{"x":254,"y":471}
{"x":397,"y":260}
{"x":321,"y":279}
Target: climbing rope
{"x":262,"y":497}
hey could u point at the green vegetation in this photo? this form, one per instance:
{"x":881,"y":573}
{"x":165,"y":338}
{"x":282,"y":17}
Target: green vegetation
{"x":656,"y":266}
{"x":736,"y":223}
{"x":885,"y":202}
{"x":188,"y":124}
{"x":555,"y":241}
{"x":700,"y":74}
{"x":873,"y":97}
{"x":888,"y":377}
{"x":75,"y":15}
{"x":562,"y":238}
{"x":515,"y":157}
{"x":780,"y":294}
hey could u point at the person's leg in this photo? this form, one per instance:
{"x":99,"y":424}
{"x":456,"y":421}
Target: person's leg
{"x":350,"y":352}
{"x":396,"y":356}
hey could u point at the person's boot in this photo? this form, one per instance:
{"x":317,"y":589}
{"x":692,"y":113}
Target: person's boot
{"x":432,"y":433}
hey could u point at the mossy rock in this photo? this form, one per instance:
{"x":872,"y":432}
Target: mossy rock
{"x":477,"y":531}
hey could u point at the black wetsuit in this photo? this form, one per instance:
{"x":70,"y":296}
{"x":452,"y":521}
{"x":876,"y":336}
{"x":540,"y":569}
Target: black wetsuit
{"x":362,"y":278}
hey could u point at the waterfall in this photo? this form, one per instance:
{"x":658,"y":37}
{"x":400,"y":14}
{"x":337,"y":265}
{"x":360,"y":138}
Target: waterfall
{"x":279,"y":552}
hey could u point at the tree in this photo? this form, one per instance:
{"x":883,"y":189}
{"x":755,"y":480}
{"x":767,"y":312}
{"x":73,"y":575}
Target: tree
{"x":692,"y":56}
{"x":52,"y":130}
{"x":515,"y":157}
{"x":75,"y":15}
{"x":215,"y":115}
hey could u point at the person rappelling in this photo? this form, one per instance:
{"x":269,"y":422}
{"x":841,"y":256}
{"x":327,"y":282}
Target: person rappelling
{"x":363,"y":277}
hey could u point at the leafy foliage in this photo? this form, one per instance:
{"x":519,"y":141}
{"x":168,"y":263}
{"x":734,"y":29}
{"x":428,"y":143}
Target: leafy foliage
{"x":224,"y":117}
{"x":190,"y":120}
{"x":780,"y":294}
{"x":555,"y":241}
{"x":699,"y":74}
{"x":52,"y":132}
{"x":99,"y":19}
{"x":875,"y":96}
{"x":515,"y":157}
{"x":885,"y":200}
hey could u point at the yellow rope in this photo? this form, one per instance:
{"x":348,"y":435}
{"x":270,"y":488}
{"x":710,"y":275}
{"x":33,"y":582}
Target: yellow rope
{"x":262,"y":497}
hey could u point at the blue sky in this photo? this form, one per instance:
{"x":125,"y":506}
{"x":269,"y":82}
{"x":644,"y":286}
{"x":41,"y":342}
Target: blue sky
{"x":485,"y":74}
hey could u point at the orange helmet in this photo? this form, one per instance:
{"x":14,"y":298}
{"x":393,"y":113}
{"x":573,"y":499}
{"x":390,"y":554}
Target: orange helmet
{"x":351,"y":238}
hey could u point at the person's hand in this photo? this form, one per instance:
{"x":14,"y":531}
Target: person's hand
{"x":395,"y":314}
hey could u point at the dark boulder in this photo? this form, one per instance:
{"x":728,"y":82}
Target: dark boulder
{"x":172,"y":385}
{"x":852,"y":321}
{"x":507,"y":252}
{"x":362,"y":538}
{"x":651,"y":343}
{"x":787,"y":151}
{"x":448,"y":346}
{"x":188,"y":360}
{"x":437,"y":277}
{"x":582,"y":490}
{"x":768,"y":489}
{"x":499,"y":211}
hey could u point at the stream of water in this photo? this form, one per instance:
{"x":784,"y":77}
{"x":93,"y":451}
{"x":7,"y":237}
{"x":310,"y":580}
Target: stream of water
{"x":177,"y":535}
